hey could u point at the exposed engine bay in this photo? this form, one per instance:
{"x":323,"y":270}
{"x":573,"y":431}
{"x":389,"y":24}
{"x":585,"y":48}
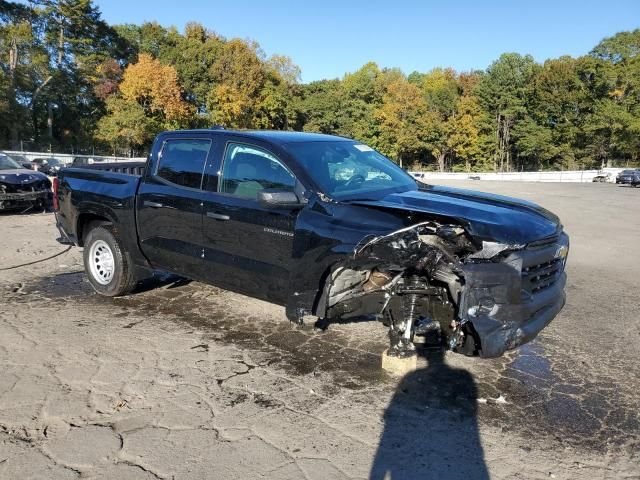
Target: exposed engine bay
{"x":431,"y":279}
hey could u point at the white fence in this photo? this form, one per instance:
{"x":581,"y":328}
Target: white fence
{"x":67,"y":158}
{"x":554,"y":176}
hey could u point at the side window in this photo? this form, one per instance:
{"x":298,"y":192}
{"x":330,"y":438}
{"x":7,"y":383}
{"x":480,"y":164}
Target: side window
{"x":247,"y":170}
{"x":182,"y":161}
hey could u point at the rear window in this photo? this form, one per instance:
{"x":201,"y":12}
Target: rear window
{"x":182,"y":161}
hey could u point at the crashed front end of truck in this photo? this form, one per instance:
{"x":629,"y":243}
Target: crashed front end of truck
{"x":433,"y":280}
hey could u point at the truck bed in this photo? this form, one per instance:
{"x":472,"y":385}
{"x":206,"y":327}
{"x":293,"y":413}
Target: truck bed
{"x":106,"y":190}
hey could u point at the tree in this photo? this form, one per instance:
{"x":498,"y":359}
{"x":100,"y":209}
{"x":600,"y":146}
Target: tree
{"x":321,"y":106}
{"x":464,"y":135}
{"x":612,"y":74}
{"x":148,"y":100}
{"x":193,"y":56}
{"x":126,"y":127}
{"x":240,"y":77}
{"x":502,"y":92}
{"x":155,"y":88}
{"x":359,"y":102}
{"x":441,"y":92}
{"x":106,"y":79}
{"x":76,"y":40}
{"x":403,"y":120}
{"x":549,"y":131}
{"x":17,"y":52}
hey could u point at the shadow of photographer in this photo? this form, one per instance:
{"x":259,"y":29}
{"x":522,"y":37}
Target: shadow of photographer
{"x":430,"y":427}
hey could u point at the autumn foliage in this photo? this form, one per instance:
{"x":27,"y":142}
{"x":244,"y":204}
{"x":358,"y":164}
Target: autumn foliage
{"x":71,"y":82}
{"x":155,"y":88}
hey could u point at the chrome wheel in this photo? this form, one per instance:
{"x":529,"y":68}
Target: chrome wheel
{"x":101,"y":262}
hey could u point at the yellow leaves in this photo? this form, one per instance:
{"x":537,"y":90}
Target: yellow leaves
{"x":401,"y":101}
{"x":403,"y":118}
{"x":616,"y":93}
{"x":154,"y":87}
{"x":463,"y":134}
{"x":230,"y":105}
{"x":240,"y":78}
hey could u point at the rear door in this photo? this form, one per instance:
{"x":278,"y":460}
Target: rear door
{"x":169,"y":204}
{"x":252,"y":244}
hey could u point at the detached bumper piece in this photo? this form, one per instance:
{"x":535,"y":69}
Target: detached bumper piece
{"x":510,"y":302}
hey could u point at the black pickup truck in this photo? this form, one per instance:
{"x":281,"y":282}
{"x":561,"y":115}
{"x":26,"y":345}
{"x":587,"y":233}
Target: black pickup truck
{"x":325,"y":226}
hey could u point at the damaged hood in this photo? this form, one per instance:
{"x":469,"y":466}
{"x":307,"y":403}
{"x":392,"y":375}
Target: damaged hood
{"x":20,"y":176}
{"x":487,"y":216}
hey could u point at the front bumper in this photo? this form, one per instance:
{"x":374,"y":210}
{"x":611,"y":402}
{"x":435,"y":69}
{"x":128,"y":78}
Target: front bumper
{"x":510,"y":302}
{"x":20,"y":199}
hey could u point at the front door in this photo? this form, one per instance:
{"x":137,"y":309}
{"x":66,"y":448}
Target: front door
{"x":169,"y":206}
{"x":249,"y":241}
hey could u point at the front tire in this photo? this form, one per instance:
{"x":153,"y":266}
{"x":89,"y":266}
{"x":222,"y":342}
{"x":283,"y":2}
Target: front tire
{"x":107,"y":264}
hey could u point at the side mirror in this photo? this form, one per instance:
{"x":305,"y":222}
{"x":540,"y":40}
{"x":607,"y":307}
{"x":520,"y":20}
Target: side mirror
{"x":276,"y":198}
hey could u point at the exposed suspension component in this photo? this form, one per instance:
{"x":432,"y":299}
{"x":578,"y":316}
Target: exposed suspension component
{"x":403,"y":327}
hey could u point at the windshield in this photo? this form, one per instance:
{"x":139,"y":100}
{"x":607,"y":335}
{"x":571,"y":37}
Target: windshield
{"x":351,"y":170}
{"x":7,"y":163}
{"x":627,"y":172}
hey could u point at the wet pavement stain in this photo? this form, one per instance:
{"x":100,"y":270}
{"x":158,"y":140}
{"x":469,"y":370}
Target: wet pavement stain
{"x":546,"y":392}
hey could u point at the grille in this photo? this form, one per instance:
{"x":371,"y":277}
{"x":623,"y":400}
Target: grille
{"x":25,"y":188}
{"x":536,"y":278}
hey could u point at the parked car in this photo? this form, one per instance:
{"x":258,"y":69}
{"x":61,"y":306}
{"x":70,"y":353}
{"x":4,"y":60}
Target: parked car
{"x":276,"y":216}
{"x":631,"y":177}
{"x":603,"y":177}
{"x":21,"y":188}
{"x":20,"y":160}
{"x":49,"y":166}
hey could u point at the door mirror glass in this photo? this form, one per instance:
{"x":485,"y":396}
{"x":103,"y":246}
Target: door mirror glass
{"x":273,"y":197}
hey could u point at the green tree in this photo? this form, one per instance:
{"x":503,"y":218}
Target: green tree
{"x":548,"y":132}
{"x":441,"y":92}
{"x":359,"y":102}
{"x":20,"y":60}
{"x":126,"y":127}
{"x":612,"y":75}
{"x":503,"y":93}
{"x":321,"y":106}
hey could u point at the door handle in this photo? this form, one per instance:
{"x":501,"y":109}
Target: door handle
{"x":218,"y":216}
{"x":147,"y":203}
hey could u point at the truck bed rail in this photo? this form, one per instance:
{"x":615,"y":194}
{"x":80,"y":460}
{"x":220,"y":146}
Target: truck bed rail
{"x":130,"y":168}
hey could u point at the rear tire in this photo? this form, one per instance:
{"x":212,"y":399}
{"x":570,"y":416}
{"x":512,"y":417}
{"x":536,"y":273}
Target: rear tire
{"x":106,"y":262}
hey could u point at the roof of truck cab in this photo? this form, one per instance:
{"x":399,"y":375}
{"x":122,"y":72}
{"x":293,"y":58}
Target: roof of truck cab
{"x":274,"y":136}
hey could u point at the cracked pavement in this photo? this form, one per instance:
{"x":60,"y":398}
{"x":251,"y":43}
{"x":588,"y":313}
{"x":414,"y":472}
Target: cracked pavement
{"x":184,"y":380}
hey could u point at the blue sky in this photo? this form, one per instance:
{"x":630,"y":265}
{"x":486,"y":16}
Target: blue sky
{"x":329,"y":38}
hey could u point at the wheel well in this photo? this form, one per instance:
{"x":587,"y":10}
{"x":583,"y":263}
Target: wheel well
{"x":86,"y":222}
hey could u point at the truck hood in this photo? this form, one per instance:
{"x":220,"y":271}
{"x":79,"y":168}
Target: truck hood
{"x":486,"y":216}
